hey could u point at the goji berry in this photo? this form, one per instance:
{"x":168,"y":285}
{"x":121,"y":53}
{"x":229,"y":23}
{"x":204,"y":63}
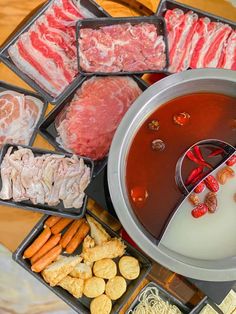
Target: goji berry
{"x":231,"y":161}
{"x":199,"y":210}
{"x":212,"y":184}
{"x":200,"y":188}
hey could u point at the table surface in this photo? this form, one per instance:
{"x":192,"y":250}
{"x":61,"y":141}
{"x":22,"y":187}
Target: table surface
{"x":15,"y":223}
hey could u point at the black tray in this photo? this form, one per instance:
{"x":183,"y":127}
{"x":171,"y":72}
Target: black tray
{"x":165,"y":5}
{"x":48,"y":131}
{"x":5,"y":86}
{"x":159,"y":22}
{"x":91,"y":5}
{"x":171,"y":4}
{"x":203,"y":303}
{"x":81,"y":305}
{"x":165,"y":295}
{"x":58,"y":210}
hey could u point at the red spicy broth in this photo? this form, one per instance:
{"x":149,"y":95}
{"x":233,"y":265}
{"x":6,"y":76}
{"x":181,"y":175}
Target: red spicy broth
{"x":150,"y":174}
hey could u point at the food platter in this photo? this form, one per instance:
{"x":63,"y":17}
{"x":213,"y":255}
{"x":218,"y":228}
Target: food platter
{"x":171,"y":87}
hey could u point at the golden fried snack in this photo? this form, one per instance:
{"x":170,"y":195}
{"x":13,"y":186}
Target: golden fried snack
{"x":115,"y":287}
{"x":129,"y":267}
{"x":82,"y":271}
{"x":72,"y":285}
{"x":88,"y":243}
{"x":58,"y":270}
{"x":101,"y":305}
{"x":93,"y":287}
{"x":98,"y":233}
{"x":111,"y":249}
{"x":105,"y":268}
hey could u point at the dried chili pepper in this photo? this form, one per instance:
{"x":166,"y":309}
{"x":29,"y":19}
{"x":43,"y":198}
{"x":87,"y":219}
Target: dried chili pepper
{"x":198,"y":178}
{"x":231,"y":161}
{"x":212,"y":184}
{"x":216,"y":152}
{"x":193,"y":158}
{"x":193,"y":175}
{"x":198,"y":153}
{"x":199,"y":210}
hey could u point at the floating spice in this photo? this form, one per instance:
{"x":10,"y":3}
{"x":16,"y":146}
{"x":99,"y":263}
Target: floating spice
{"x":212,"y":184}
{"x":154,"y":125}
{"x":199,"y":210}
{"x":200,"y":188}
{"x":224,"y":174}
{"x":232,"y":161}
{"x":158,"y":145}
{"x":181,"y":118}
{"x":211,"y":202}
{"x":139,"y":195}
{"x":194,"y":199}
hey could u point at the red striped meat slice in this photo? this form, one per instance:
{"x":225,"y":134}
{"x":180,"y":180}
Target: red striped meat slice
{"x":88,"y":124}
{"x":180,"y":52}
{"x":19,"y":115}
{"x":228,"y":58}
{"x":47,"y":52}
{"x":209,"y":47}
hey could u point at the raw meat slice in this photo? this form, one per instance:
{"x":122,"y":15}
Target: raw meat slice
{"x":19,"y":116}
{"x":47,"y":51}
{"x":43,"y":179}
{"x":180,"y":52}
{"x":210,"y":45}
{"x":228,"y":58}
{"x":88,"y":124}
{"x":121,"y":47}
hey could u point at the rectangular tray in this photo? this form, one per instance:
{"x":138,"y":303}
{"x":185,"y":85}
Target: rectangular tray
{"x":91,"y":5}
{"x":81,"y":305}
{"x":165,"y":295}
{"x":204,"y":302}
{"x":4,"y":86}
{"x":96,"y":23}
{"x":48,"y":131}
{"x":171,"y":4}
{"x":58,"y":210}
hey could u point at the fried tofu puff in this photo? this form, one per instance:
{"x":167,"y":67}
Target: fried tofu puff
{"x":74,"y":286}
{"x":111,"y":249}
{"x":101,"y":305}
{"x":116,"y":287}
{"x":129,"y":267}
{"x":105,"y":268}
{"x":94,"y":287}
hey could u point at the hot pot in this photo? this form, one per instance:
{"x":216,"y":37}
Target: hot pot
{"x":192,"y":81}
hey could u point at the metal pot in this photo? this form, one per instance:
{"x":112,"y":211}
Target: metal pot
{"x":192,"y":81}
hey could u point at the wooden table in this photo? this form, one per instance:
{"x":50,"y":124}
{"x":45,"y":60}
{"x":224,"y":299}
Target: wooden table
{"x":15,"y":223}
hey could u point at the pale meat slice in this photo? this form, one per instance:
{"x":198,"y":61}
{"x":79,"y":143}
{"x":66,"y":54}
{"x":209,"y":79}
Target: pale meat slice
{"x":228,"y":58}
{"x":19,"y":116}
{"x":44,"y":179}
{"x":208,"y":50}
{"x":47,"y":51}
{"x":88,"y":124}
{"x":123,"y":47}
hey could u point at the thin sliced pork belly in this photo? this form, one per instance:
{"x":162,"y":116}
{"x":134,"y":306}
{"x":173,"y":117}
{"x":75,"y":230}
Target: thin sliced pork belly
{"x":180,"y":52}
{"x":212,"y":38}
{"x":88,"y":124}
{"x":173,"y":20}
{"x":228,"y":58}
{"x":47,"y":52}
